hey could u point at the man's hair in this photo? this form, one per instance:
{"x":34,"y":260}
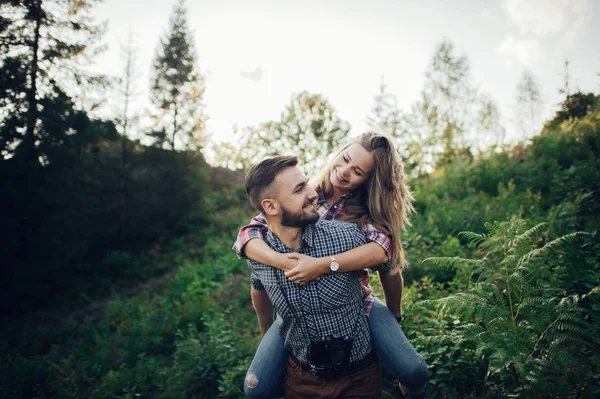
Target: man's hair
{"x":260,"y":177}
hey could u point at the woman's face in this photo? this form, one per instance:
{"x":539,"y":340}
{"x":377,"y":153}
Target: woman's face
{"x":351,"y":168}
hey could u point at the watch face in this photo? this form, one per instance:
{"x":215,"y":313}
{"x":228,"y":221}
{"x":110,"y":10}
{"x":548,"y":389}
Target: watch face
{"x":334,"y":266}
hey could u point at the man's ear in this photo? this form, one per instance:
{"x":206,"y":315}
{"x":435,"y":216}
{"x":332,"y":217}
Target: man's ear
{"x":271,"y":206}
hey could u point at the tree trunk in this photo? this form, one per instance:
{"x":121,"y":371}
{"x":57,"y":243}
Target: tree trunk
{"x":174,"y":129}
{"x":29,"y":141}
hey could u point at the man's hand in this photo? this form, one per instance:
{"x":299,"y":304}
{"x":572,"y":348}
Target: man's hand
{"x":307,"y":269}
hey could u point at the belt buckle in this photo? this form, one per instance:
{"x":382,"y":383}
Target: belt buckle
{"x":324,"y":372}
{"x":316,"y":370}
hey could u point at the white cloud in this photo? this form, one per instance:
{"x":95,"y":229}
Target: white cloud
{"x":545,"y":17}
{"x":526,"y":50}
{"x":255,"y":75}
{"x":544,"y":28}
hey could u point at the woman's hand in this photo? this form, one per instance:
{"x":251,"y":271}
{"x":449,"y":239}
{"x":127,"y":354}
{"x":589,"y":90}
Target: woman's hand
{"x":307,"y":269}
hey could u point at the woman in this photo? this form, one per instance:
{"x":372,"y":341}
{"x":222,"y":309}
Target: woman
{"x":363,"y":184}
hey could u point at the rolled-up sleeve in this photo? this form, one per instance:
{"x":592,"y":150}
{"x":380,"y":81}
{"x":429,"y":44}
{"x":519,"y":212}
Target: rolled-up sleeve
{"x":378,"y":236}
{"x":256,"y":229}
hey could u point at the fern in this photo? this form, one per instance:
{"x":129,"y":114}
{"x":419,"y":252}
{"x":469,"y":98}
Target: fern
{"x":525,"y":328}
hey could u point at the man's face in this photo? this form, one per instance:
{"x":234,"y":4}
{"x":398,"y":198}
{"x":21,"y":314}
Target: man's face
{"x":297,"y":199}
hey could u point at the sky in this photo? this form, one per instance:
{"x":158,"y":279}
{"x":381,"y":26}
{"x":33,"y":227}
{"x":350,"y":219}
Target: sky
{"x":255,"y":54}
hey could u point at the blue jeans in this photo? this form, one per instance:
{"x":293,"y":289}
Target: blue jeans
{"x":396,"y":354}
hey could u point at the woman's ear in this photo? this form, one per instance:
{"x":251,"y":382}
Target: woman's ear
{"x":271,"y":206}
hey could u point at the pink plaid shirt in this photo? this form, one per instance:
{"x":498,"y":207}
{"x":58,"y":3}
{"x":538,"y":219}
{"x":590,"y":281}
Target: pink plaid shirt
{"x":258,"y":226}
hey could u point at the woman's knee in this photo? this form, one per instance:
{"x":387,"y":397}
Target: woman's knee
{"x":254,"y":389}
{"x":416,"y":374}
{"x":251,"y":387}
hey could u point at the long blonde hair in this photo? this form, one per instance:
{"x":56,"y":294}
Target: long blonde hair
{"x":384,"y":200}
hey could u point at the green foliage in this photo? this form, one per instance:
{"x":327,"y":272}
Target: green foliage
{"x":178,"y":88}
{"x":39,"y":41}
{"x":309,"y":127}
{"x":576,"y":105}
{"x":530,"y":333}
{"x":555,"y":179}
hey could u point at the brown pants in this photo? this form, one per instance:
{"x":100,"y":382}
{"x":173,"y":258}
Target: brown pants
{"x":362,"y":384}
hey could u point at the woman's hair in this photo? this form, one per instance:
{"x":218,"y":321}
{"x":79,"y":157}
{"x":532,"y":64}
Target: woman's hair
{"x":384,"y":200}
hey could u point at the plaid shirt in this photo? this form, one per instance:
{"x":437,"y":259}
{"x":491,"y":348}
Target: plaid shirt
{"x":325,"y":308}
{"x":258,"y":227}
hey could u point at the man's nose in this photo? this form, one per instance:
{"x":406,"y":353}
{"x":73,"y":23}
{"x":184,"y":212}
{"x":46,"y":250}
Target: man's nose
{"x":312,"y":194}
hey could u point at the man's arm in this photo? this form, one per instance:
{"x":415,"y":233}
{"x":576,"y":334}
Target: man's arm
{"x":392,"y":284}
{"x":263,"y":308}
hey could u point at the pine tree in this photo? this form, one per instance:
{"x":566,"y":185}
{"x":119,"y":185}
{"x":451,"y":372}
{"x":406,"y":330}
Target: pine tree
{"x":128,"y":92}
{"x":177,"y":88}
{"x":385,"y":115}
{"x":42,"y":42}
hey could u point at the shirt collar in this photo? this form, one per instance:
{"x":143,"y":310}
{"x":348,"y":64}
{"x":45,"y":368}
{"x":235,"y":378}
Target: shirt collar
{"x":308,"y":238}
{"x":343,"y":197}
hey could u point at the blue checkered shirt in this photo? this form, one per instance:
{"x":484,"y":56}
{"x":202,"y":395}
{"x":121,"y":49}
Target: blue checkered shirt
{"x":331,"y":307}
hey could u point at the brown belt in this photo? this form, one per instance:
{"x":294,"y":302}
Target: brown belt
{"x":336,"y":372}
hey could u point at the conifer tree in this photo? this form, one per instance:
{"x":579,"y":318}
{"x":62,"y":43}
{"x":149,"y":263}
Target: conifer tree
{"x":41,"y":43}
{"x":177,"y":88}
{"x":385,"y":115}
{"x":128,"y":92}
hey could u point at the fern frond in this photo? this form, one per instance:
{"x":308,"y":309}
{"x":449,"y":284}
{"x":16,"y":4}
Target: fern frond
{"x":527,"y":236}
{"x":453,"y":263}
{"x":474,"y":238}
{"x":560,"y":243}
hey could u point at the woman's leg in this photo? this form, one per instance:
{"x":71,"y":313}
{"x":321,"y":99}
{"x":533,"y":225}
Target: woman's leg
{"x":264,"y":378}
{"x":396,"y":354}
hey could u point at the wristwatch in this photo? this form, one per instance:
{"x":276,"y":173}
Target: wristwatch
{"x":334,"y":265}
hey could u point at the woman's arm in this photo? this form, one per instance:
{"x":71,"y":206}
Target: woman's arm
{"x":392,"y":284}
{"x":260,"y":251}
{"x":257,"y":227}
{"x":309,"y":268}
{"x":250,"y":245}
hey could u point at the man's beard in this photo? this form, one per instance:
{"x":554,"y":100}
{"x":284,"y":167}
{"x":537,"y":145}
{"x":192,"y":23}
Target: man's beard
{"x":300,"y":219}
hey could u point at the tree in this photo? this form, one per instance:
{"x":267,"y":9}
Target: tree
{"x":177,"y":88}
{"x":42,"y":42}
{"x":488,"y":122}
{"x":128,"y":92}
{"x":385,"y":115}
{"x":529,"y":104}
{"x":443,"y":121}
{"x":309,"y":127}
{"x":576,"y":105}
{"x":566,"y":90}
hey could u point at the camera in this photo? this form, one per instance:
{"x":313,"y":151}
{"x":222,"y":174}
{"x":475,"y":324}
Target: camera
{"x":334,"y":352}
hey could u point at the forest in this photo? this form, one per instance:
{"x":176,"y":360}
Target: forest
{"x":118,"y":277}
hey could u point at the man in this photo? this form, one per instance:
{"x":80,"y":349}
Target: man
{"x":323,"y":323}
